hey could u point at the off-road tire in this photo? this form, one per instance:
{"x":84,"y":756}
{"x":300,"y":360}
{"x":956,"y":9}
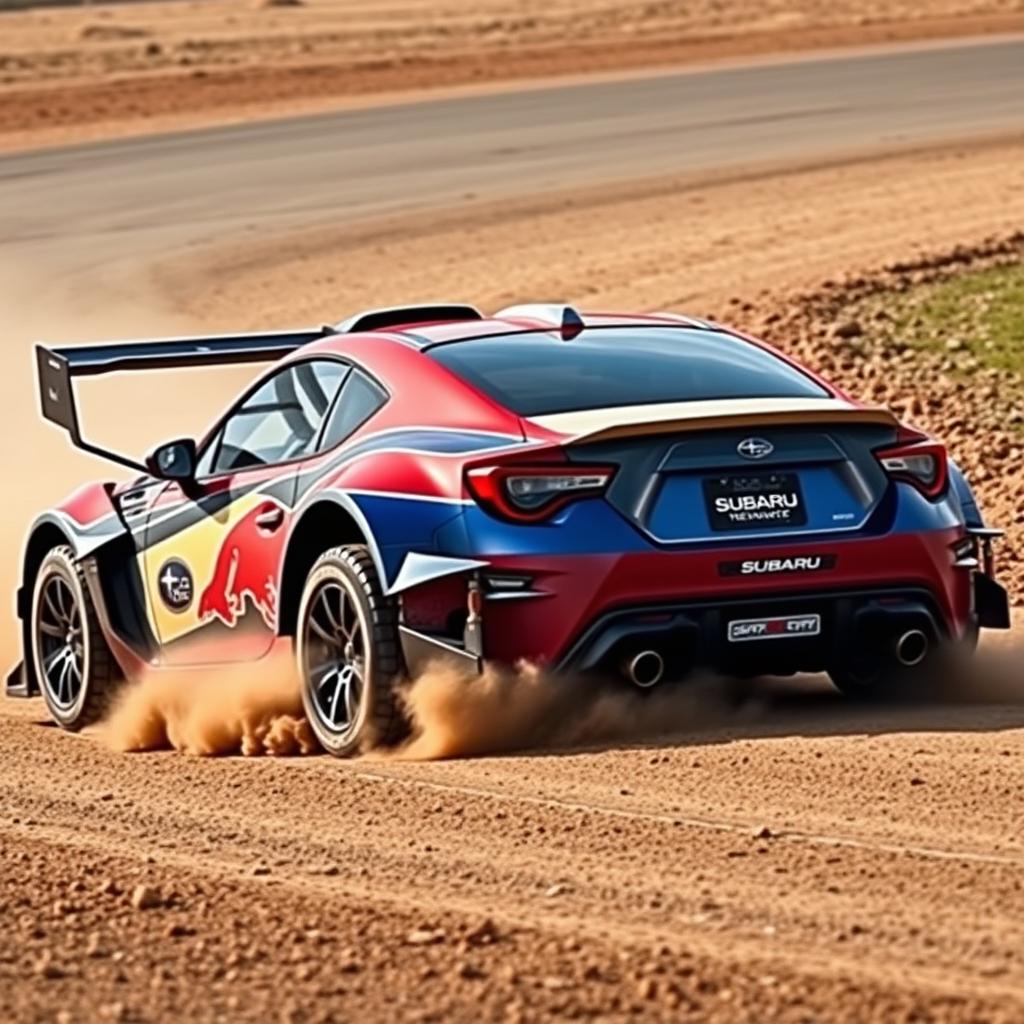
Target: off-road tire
{"x":894,"y":683}
{"x":100,"y":675}
{"x":377,"y":718}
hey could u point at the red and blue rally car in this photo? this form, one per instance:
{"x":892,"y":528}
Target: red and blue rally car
{"x":634,"y":496}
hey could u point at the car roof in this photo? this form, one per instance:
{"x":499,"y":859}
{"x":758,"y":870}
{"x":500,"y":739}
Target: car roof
{"x":423,"y":326}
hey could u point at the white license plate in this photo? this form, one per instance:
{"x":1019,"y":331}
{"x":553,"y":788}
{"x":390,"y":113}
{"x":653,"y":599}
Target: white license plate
{"x":779,"y":628}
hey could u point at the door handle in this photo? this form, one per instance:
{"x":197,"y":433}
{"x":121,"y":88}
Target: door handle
{"x":271,"y":519}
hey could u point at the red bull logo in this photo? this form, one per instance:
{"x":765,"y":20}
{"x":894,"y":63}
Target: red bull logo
{"x":243,"y":571}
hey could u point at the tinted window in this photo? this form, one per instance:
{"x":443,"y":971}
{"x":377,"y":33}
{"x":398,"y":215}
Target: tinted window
{"x":535,"y":374}
{"x":280,"y":420}
{"x":360,"y":398}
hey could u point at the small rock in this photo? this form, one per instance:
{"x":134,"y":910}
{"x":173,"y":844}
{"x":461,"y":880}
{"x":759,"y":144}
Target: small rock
{"x":849,"y":329}
{"x":764,"y":832}
{"x":46,"y":968}
{"x":484,"y":934}
{"x":647,"y":989}
{"x":260,"y":869}
{"x":425,"y":936}
{"x":556,"y":984}
{"x":145,"y":897}
{"x":558,"y":889}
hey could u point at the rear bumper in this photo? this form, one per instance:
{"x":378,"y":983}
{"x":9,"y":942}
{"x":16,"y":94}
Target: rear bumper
{"x":697,"y":635}
{"x":571,"y":594}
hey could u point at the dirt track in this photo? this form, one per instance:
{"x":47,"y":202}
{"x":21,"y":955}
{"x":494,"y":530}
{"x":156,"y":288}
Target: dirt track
{"x":106,"y":69}
{"x":788,"y":859}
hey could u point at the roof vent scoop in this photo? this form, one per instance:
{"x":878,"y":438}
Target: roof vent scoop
{"x":397,"y":316}
{"x":565,"y":318}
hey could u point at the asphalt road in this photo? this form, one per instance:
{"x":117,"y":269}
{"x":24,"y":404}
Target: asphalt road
{"x":129,"y":201}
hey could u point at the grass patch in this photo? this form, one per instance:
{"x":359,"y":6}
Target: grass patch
{"x":979,"y":313}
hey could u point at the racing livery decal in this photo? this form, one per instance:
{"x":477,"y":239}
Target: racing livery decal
{"x":175,"y":585}
{"x":240,"y":574}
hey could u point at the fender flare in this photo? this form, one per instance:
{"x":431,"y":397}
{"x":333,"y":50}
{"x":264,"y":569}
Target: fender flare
{"x":965,"y":496}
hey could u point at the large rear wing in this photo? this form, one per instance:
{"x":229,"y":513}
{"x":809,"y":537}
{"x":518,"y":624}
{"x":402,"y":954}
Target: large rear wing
{"x":58,"y":367}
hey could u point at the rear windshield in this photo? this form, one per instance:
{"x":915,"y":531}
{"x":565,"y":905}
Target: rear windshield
{"x":534,"y":374}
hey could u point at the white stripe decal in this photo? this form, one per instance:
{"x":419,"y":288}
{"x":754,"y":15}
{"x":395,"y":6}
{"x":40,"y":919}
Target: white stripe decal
{"x":590,"y":421}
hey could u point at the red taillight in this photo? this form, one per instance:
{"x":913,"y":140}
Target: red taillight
{"x":923,"y":464}
{"x":528,"y":494}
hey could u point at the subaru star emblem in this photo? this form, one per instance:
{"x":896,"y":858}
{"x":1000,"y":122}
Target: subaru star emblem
{"x":755,"y":448}
{"x":175,"y":585}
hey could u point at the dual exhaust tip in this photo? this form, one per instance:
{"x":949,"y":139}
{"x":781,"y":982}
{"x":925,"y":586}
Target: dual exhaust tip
{"x":647,"y":668}
{"x":912,"y":648}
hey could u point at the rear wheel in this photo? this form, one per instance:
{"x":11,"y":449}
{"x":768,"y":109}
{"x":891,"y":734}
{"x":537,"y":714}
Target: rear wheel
{"x":76,"y":671}
{"x":348,"y":654}
{"x":872,"y":679}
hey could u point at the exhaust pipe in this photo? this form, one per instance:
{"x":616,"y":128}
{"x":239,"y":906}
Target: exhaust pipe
{"x":645,"y":669}
{"x":911,"y":648}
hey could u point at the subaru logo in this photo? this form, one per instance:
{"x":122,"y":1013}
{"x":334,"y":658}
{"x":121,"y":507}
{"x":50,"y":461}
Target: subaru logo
{"x":175,"y":585}
{"x":755,"y":448}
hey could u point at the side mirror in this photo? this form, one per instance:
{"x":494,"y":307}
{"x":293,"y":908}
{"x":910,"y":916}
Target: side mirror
{"x":175,"y":460}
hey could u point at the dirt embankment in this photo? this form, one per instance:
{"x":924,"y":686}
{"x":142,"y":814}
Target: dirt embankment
{"x":976,"y":410}
{"x":106,"y":69}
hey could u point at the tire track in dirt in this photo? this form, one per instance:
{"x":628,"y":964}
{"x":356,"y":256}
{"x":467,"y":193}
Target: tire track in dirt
{"x":465,"y":838}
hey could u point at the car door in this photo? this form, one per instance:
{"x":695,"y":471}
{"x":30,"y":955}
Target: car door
{"x":213,"y":547}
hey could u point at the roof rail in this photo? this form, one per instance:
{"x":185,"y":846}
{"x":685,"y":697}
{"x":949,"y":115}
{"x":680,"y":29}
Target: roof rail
{"x":395,"y":316}
{"x":557,"y":314}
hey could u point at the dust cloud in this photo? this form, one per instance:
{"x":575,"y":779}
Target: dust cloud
{"x":257,"y":709}
{"x":62,"y":298}
{"x":241,"y":709}
{"x":455,"y":714}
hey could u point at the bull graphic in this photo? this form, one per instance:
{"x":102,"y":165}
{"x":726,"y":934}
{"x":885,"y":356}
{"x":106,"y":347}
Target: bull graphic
{"x":241,"y":572}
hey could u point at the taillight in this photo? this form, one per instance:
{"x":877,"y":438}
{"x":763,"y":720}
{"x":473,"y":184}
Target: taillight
{"x":923,"y":464}
{"x":528,"y":494}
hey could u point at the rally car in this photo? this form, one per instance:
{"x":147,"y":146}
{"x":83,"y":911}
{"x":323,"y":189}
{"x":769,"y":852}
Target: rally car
{"x":628,"y":496}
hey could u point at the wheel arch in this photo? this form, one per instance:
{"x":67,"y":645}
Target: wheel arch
{"x":965,"y":496}
{"x":332,"y":520}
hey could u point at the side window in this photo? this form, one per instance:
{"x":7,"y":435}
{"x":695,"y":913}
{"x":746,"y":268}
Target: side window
{"x":280,"y":420}
{"x":360,"y":398}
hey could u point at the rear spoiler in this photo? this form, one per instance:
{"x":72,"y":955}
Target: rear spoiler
{"x":58,"y":367}
{"x":677,"y":417}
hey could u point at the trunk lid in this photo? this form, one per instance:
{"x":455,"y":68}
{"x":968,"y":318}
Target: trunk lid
{"x":747,"y":476}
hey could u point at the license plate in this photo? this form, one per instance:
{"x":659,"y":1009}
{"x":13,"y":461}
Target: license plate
{"x":754,"y":501}
{"x":779,"y":628}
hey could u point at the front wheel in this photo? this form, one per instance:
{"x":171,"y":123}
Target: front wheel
{"x":348,"y":654}
{"x":76,"y":671}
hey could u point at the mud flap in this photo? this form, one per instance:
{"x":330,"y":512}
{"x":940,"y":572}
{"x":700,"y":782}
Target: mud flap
{"x":419,"y":650}
{"x":991,"y":603}
{"x":17,"y":682}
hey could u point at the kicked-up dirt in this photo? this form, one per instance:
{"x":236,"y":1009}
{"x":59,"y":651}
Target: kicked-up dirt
{"x":105,"y":69}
